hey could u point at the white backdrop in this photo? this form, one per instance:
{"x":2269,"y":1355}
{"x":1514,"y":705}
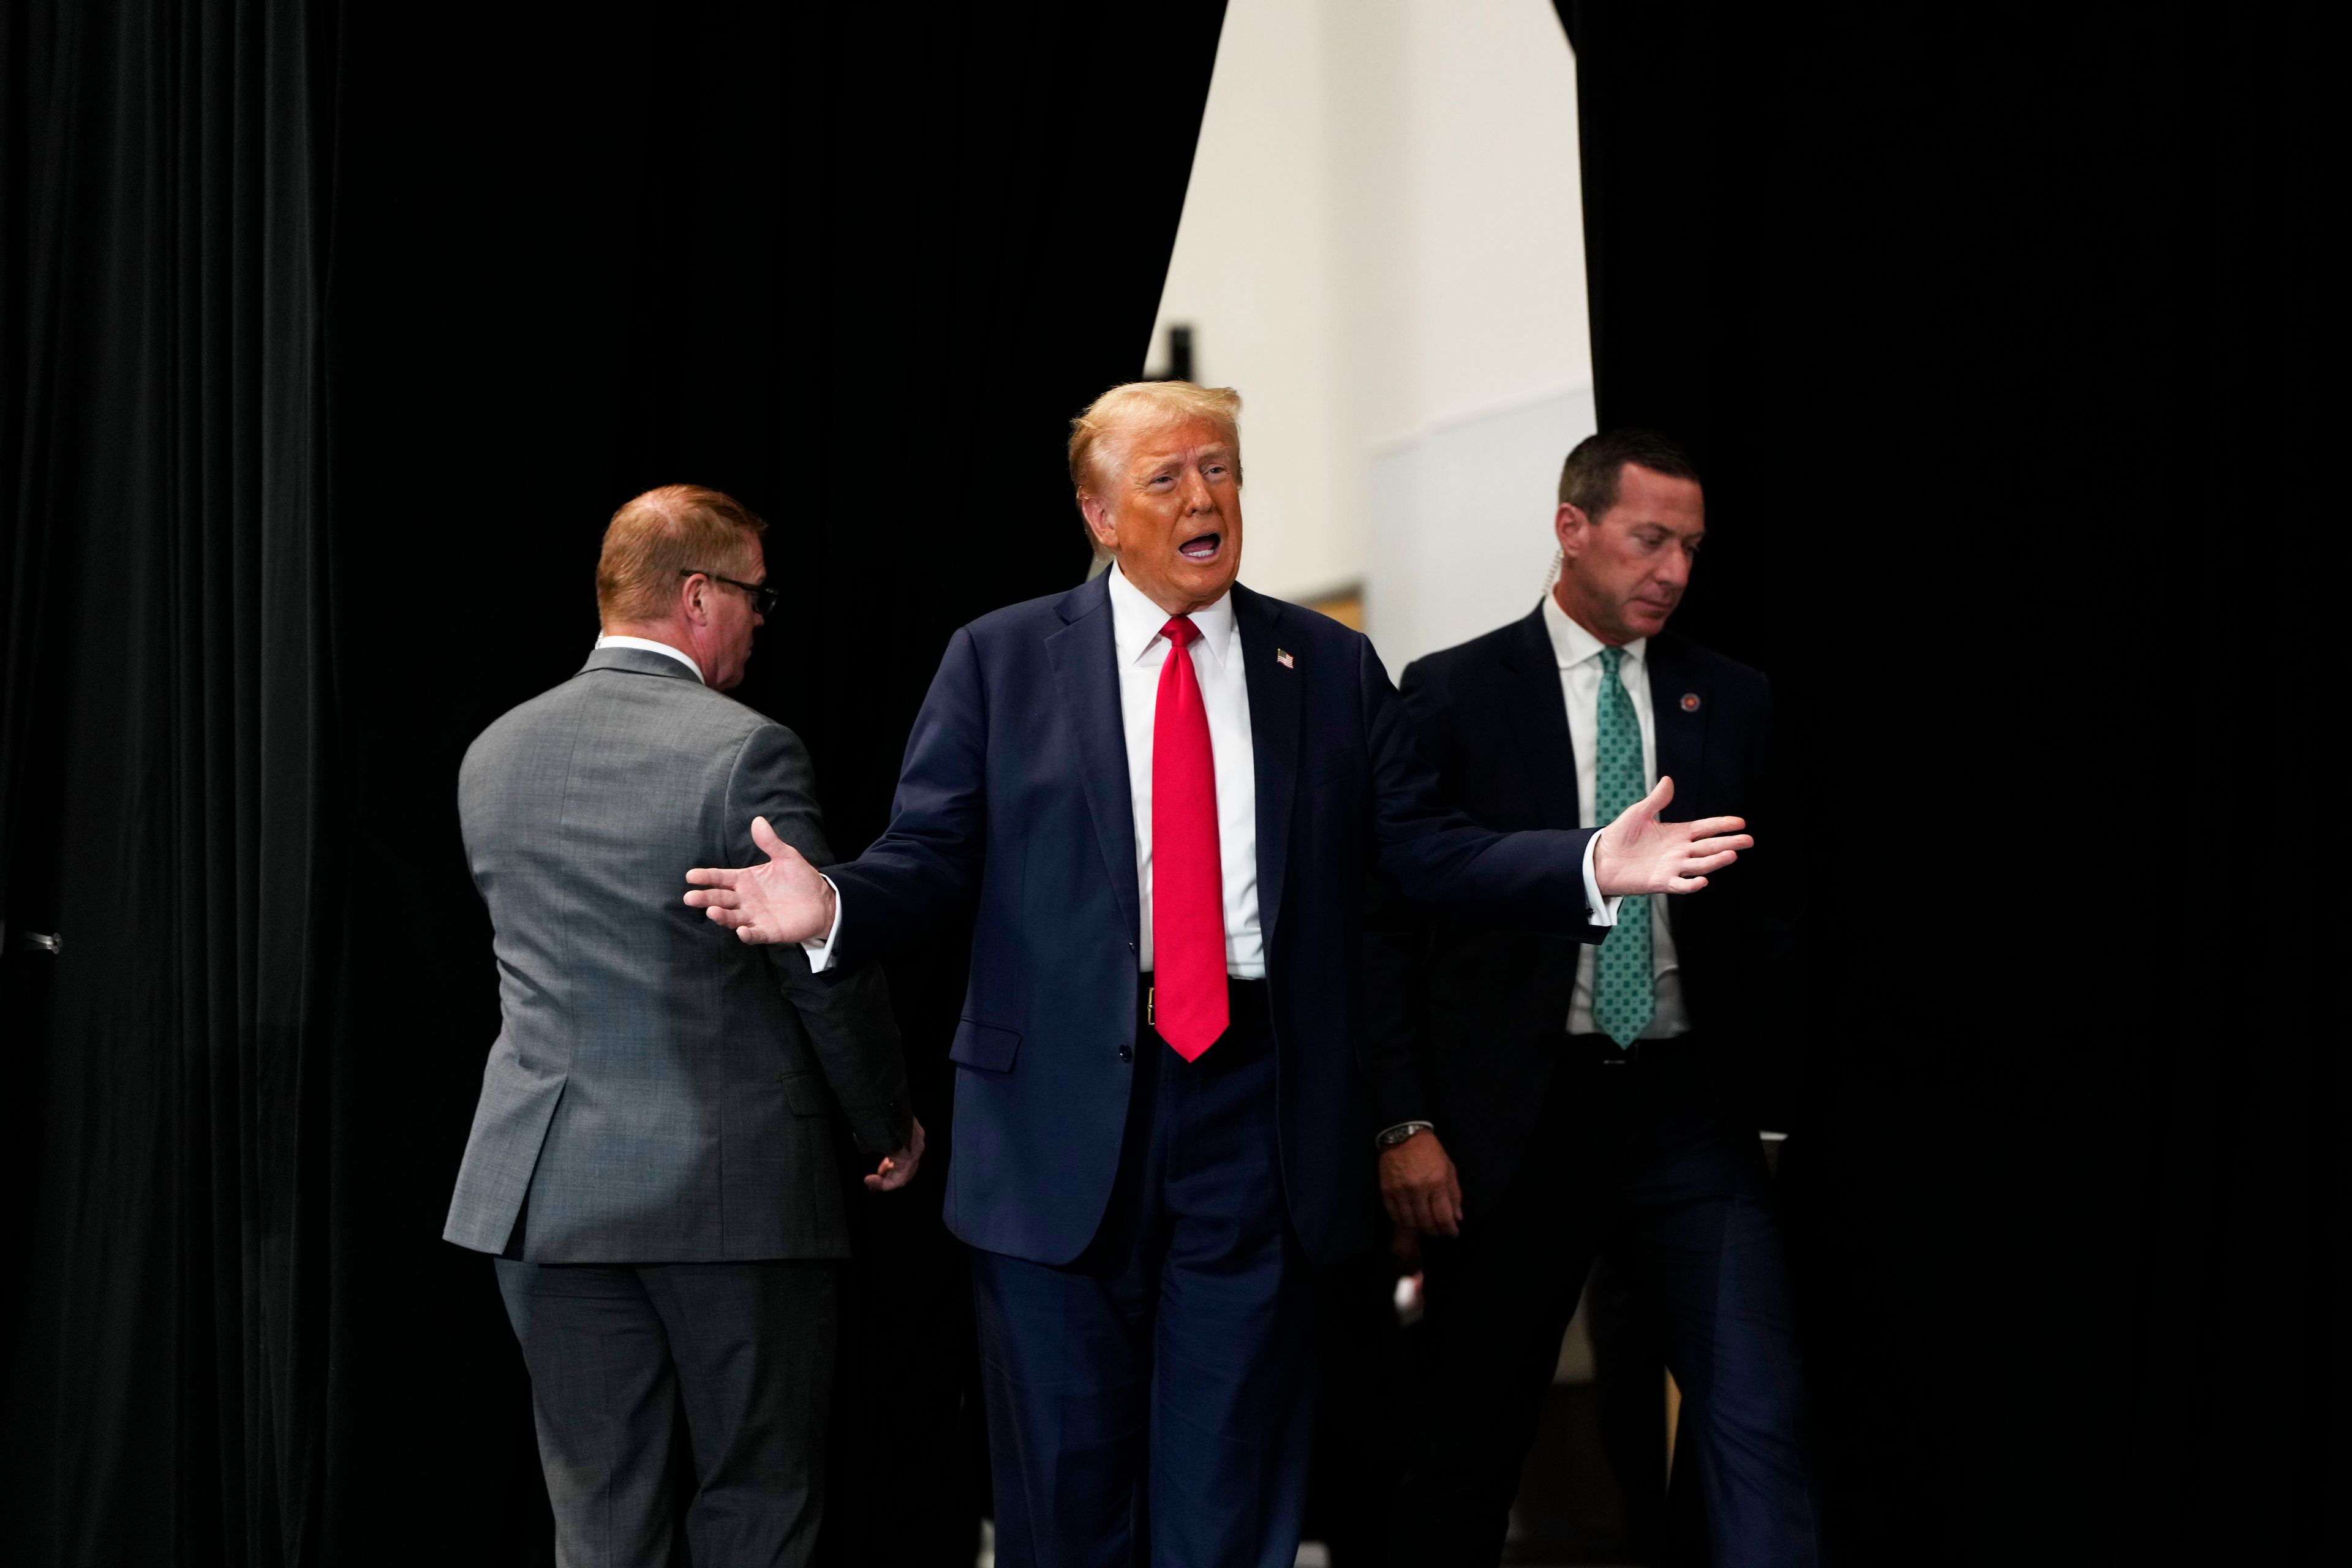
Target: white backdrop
{"x":1382,"y":248}
{"x":1461,"y":523}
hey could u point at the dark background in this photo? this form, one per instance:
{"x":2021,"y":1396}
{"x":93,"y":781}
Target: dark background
{"x":329,"y":339}
{"x":2001,"y":334}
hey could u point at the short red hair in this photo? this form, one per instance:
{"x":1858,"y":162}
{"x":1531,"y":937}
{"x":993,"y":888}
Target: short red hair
{"x":665,"y":533}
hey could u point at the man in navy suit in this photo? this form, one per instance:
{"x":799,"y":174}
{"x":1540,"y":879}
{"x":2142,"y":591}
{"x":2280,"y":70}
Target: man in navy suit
{"x":1158,"y":794}
{"x":1545,"y":1102}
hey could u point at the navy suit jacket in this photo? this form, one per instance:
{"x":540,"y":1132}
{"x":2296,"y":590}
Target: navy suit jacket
{"x":1467,"y":1019}
{"x":1013,"y":805}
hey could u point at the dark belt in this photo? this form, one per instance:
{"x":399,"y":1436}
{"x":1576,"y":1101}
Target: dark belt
{"x":1240,"y":994}
{"x":1599,"y":1050}
{"x":1248,"y":1013}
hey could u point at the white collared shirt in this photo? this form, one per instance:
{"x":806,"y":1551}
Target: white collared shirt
{"x":1136,"y":625}
{"x":649,"y":646}
{"x":1578,"y":652}
{"x":1141,"y":649}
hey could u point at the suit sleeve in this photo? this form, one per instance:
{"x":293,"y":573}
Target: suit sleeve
{"x":925,"y":869}
{"x":1428,"y":851}
{"x":1398,"y":938}
{"x":846,"y":1011}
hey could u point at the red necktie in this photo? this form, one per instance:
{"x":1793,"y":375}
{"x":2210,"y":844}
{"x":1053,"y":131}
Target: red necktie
{"x":1188,"y":884}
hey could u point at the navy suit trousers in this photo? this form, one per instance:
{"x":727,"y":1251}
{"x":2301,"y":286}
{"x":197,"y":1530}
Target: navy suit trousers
{"x":1152,"y":1402}
{"x":1629,"y":1161}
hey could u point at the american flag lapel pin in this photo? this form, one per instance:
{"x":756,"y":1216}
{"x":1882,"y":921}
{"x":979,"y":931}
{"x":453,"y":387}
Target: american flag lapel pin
{"x":1282,"y":656}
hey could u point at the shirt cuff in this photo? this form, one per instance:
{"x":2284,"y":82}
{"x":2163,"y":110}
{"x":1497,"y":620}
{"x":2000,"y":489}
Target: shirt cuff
{"x":820,"y":953}
{"x":1597,"y":910}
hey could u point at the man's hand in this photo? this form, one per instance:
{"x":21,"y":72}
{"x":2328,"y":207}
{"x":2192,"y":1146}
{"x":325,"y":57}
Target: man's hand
{"x":898,"y":1169}
{"x":783,"y":900}
{"x":1639,"y":854}
{"x":1417,"y":1185}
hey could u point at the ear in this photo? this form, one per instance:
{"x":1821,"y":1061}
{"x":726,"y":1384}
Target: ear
{"x":693,"y":599}
{"x":1098,"y":523}
{"x":1569,"y":527}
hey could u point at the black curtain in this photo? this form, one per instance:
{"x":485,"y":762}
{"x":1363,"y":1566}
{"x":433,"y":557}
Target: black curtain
{"x":2001,"y":334}
{"x":165,"y":789}
{"x":328,"y":338}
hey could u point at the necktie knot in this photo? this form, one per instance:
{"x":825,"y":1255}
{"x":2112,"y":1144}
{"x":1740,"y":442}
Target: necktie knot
{"x":1179,"y":630}
{"x":1612,"y":660}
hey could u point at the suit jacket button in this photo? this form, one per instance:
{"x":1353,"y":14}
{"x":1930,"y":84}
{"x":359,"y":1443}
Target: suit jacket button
{"x":1127,"y":1053}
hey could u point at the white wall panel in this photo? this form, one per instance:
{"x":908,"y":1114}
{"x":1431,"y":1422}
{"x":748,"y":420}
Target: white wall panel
{"x":1382,"y":248}
{"x":1461,"y":523}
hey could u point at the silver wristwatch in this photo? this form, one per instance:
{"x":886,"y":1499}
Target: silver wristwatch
{"x":1395,"y":1135}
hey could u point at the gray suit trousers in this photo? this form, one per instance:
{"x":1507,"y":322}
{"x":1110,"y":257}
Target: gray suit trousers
{"x":616,"y":1352}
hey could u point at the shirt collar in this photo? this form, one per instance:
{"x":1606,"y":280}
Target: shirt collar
{"x":1136,"y":621}
{"x":649,"y":646}
{"x":1572,"y":645}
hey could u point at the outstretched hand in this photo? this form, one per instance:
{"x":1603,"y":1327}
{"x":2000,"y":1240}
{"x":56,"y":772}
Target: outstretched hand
{"x":898,"y":1169}
{"x":1639,"y":854}
{"x":783,"y":900}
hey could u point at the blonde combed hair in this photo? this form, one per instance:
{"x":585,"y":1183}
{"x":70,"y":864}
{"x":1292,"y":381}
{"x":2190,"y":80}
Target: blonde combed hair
{"x":662,"y":533}
{"x":1140,"y":405}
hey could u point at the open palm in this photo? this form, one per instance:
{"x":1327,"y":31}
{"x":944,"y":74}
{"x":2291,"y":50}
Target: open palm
{"x":1640,"y":854}
{"x":783,"y":900}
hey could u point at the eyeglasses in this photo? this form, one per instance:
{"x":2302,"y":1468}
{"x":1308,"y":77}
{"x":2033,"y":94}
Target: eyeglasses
{"x":763,"y":595}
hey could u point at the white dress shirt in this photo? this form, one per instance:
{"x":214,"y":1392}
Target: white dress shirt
{"x":1141,"y":649}
{"x":1578,"y":652}
{"x":650,"y":645}
{"x":1135,"y":634}
{"x":1137,"y":645}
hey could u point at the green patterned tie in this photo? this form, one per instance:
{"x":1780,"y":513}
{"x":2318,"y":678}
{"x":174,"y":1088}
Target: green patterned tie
{"x":1624,"y":996}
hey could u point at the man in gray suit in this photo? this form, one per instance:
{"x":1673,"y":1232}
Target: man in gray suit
{"x":653,"y":1159}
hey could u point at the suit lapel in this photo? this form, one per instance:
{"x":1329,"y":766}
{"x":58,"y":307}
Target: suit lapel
{"x":1539,"y":721}
{"x":1680,"y":705}
{"x":1086,"y":671}
{"x":1276,"y":709}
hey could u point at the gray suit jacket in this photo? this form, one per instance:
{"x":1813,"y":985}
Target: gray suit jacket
{"x":660,"y":1091}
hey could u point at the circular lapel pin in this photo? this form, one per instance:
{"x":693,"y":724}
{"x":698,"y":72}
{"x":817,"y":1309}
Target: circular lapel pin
{"x":1690,"y":702}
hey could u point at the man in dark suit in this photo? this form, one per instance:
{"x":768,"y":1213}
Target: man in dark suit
{"x":1545,"y":1102}
{"x":652,"y":1160}
{"x":1161,"y":792}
